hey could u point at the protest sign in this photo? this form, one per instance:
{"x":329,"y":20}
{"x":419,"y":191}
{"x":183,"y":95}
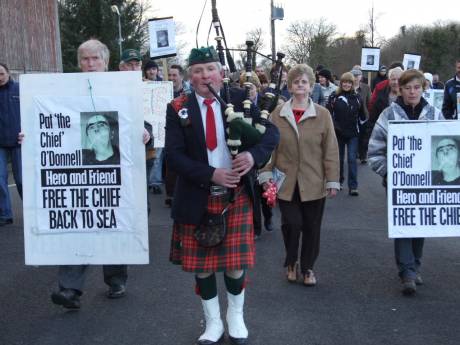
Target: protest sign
{"x":156,"y":96}
{"x":83,"y":169}
{"x":423,"y":179}
{"x":370,"y":58}
{"x":411,"y":61}
{"x":162,"y":34}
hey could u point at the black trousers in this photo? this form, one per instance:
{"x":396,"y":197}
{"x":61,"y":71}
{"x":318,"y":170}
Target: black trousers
{"x":260,"y":206}
{"x":304,"y":218}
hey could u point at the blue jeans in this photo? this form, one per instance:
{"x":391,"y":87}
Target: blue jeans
{"x":408,"y":253}
{"x":352,"y":152}
{"x":156,"y":173}
{"x":14,"y":153}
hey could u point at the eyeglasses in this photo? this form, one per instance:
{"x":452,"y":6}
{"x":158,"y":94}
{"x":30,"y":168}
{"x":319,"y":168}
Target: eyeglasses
{"x":97,"y":126}
{"x":446,"y":149}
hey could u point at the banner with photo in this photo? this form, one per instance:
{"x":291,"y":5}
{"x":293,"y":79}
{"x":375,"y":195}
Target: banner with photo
{"x":156,"y":96}
{"x":423,"y":179}
{"x":411,"y":61}
{"x":162,"y":37}
{"x":370,"y":59}
{"x":82,"y":156}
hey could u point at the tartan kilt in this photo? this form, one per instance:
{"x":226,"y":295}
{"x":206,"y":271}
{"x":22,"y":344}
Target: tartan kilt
{"x":236,"y":252}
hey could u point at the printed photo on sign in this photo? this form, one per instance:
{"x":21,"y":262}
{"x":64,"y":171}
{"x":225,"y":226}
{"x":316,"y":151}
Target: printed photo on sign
{"x":162,"y":38}
{"x":445,"y":160}
{"x":100,"y":138}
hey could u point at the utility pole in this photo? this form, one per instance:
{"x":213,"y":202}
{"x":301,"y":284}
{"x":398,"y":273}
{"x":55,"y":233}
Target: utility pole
{"x":275,"y":13}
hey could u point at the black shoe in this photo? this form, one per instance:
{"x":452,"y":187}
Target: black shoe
{"x":6,"y":221}
{"x":268,"y":225}
{"x":156,"y":190}
{"x":363,"y":161}
{"x":238,"y":341}
{"x":409,"y":287}
{"x":116,"y":291}
{"x":168,"y":202}
{"x":68,"y":298}
{"x":210,"y":342}
{"x":353,"y":192}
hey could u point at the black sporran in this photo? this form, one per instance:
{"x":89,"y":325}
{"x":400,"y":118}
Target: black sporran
{"x":212,"y":229}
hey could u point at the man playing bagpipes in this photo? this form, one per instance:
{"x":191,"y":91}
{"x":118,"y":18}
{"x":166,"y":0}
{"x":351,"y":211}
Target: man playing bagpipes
{"x":210,"y":183}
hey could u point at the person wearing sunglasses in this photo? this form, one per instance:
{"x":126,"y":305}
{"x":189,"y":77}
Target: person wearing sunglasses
{"x":99,"y":136}
{"x":448,"y":172}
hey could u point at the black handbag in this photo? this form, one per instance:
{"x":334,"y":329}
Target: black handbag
{"x":212,"y":229}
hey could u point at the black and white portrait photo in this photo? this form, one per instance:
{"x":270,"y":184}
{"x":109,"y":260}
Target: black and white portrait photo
{"x":162,"y":38}
{"x":100,"y":138}
{"x":410,"y":64}
{"x":445,"y":163}
{"x":370,"y":59}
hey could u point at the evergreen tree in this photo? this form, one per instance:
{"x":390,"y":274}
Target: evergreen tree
{"x":81,"y":20}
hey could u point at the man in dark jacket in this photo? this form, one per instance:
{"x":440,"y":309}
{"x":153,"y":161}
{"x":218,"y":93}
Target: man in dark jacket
{"x":451,"y":105}
{"x":10,"y":126}
{"x":197,"y":150}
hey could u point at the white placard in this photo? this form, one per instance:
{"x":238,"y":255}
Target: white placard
{"x":434,"y":97}
{"x":83,"y":169}
{"x":370,"y":59}
{"x":411,"y":61}
{"x":156,"y":96}
{"x":423,"y":179}
{"x":162,"y":34}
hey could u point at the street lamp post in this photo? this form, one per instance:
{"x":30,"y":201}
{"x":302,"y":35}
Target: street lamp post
{"x":115,"y":10}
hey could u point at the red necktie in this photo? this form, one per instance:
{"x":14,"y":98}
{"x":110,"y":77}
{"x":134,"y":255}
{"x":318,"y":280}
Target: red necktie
{"x":211,"y":137}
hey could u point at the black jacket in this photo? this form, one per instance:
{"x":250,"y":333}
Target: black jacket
{"x":346,"y":109}
{"x":187,"y":155}
{"x":10,"y":116}
{"x":449,"y":106}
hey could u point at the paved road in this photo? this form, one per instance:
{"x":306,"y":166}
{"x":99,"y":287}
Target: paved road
{"x":357,"y":300}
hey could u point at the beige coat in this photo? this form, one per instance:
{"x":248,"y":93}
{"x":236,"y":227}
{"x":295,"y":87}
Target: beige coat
{"x":307,"y":153}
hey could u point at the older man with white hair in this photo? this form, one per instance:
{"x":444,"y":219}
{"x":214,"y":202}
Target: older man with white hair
{"x":93,"y":56}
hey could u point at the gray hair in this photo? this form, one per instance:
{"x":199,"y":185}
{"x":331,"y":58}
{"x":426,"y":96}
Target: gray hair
{"x":95,"y":46}
{"x":393,"y":70}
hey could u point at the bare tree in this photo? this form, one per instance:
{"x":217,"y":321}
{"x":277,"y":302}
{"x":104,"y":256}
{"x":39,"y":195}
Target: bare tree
{"x":254,"y":35}
{"x":308,"y":41}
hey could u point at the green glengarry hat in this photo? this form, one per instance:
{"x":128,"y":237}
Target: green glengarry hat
{"x":202,"y":55}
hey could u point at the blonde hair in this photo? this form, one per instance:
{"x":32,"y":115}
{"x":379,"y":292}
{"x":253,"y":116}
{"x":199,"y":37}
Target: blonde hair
{"x":347,"y":76}
{"x":252,"y":79}
{"x":298,"y":71}
{"x":97,"y":47}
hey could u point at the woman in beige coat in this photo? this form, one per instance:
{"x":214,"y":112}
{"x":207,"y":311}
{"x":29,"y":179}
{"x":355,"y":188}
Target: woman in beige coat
{"x":308,"y":155}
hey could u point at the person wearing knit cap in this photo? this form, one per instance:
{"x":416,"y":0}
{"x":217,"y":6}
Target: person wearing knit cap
{"x":327,"y":86}
{"x":196,"y":149}
{"x":381,"y":76}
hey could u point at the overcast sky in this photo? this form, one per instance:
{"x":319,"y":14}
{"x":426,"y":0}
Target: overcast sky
{"x":240,"y":16}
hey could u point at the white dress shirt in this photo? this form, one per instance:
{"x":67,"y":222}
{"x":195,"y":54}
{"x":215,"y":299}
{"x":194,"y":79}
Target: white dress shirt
{"x":220,"y":157}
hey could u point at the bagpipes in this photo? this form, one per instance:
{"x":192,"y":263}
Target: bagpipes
{"x":244,"y":130}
